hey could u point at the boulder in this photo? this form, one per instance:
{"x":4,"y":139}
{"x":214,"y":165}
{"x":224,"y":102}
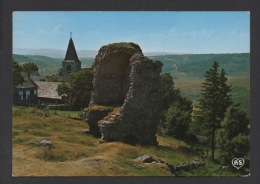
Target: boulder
{"x":45,"y":144}
{"x":146,"y":159}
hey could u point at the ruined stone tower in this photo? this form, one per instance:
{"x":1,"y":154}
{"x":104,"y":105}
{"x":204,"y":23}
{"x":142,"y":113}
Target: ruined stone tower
{"x":125,"y":77}
{"x":71,"y":62}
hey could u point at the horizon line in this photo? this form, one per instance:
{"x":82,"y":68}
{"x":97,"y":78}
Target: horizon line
{"x":167,"y":52}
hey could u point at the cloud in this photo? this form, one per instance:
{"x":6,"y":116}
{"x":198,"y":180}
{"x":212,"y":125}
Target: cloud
{"x":58,"y":29}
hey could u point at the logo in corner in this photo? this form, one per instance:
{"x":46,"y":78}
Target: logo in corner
{"x":238,"y":162}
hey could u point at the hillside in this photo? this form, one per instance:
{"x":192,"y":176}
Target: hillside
{"x":58,"y":53}
{"x":75,"y":153}
{"x":188,"y":73}
{"x":187,"y":66}
{"x":48,"y":65}
{"x":195,"y":65}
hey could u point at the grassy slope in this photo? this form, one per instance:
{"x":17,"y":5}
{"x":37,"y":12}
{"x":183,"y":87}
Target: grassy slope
{"x":240,"y":90}
{"x":75,"y":153}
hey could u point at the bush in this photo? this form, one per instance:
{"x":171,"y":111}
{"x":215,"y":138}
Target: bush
{"x":177,"y":121}
{"x":233,"y":136}
{"x":191,"y":138}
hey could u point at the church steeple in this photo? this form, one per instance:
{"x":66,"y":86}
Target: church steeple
{"x":71,"y":62}
{"x":71,"y":53}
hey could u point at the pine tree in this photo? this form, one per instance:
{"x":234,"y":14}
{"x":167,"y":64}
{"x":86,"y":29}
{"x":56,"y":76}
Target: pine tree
{"x":224,"y":93}
{"x":214,"y":101}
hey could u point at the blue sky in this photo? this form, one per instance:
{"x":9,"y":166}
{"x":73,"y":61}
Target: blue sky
{"x":175,"y":32}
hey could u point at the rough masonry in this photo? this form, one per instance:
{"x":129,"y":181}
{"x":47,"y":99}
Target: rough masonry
{"x":125,"y":78}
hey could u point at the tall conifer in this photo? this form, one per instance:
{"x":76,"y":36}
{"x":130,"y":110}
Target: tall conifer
{"x":214,"y":101}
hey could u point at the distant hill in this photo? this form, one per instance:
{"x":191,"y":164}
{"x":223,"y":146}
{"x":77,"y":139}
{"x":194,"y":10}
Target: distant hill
{"x":57,"y":53}
{"x":48,"y":65}
{"x":195,"y":65}
{"x":184,"y":66}
{"x":54,"y":53}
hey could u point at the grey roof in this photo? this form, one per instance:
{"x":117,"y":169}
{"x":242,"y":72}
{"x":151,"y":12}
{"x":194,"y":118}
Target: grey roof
{"x":71,"y":54}
{"x":35,"y":75}
{"x":48,"y":90}
{"x":28,"y":83}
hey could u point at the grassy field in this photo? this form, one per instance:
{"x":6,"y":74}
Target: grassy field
{"x":191,"y":88}
{"x":75,"y":153}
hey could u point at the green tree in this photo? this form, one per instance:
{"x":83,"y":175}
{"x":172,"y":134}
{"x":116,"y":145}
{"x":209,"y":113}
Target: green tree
{"x":17,"y":74}
{"x":224,"y":94}
{"x":169,"y":94}
{"x":178,"y":121}
{"x":30,"y":67}
{"x":213,"y":103}
{"x":233,"y":136}
{"x":63,"y":90}
{"x":17,"y":79}
{"x":78,"y":90}
{"x":176,"y":110}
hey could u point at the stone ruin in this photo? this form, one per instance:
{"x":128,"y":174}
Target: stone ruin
{"x":126,"y":98}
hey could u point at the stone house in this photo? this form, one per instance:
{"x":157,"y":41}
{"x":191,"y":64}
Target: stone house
{"x":27,"y":91}
{"x":37,"y":92}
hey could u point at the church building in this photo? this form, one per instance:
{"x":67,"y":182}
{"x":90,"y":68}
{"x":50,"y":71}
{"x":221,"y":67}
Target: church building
{"x":71,"y":62}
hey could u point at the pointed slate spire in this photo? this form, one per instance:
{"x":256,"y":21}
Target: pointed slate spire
{"x":71,"y":53}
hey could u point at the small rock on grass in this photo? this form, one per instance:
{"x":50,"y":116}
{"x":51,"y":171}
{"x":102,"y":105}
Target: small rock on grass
{"x":146,"y":159}
{"x":45,"y":144}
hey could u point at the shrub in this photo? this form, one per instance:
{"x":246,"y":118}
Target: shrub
{"x":233,"y":136}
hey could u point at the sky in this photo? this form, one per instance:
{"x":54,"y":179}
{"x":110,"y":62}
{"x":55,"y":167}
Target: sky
{"x":161,"y":31}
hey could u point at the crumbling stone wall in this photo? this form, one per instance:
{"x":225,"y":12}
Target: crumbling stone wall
{"x":111,"y":73}
{"x":135,"y":86}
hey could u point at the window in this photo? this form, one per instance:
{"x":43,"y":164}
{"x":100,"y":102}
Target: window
{"x":21,"y":95}
{"x":24,"y":95}
{"x":68,"y":69}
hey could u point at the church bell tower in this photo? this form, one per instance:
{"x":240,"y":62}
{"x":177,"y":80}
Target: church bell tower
{"x":71,"y":62}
